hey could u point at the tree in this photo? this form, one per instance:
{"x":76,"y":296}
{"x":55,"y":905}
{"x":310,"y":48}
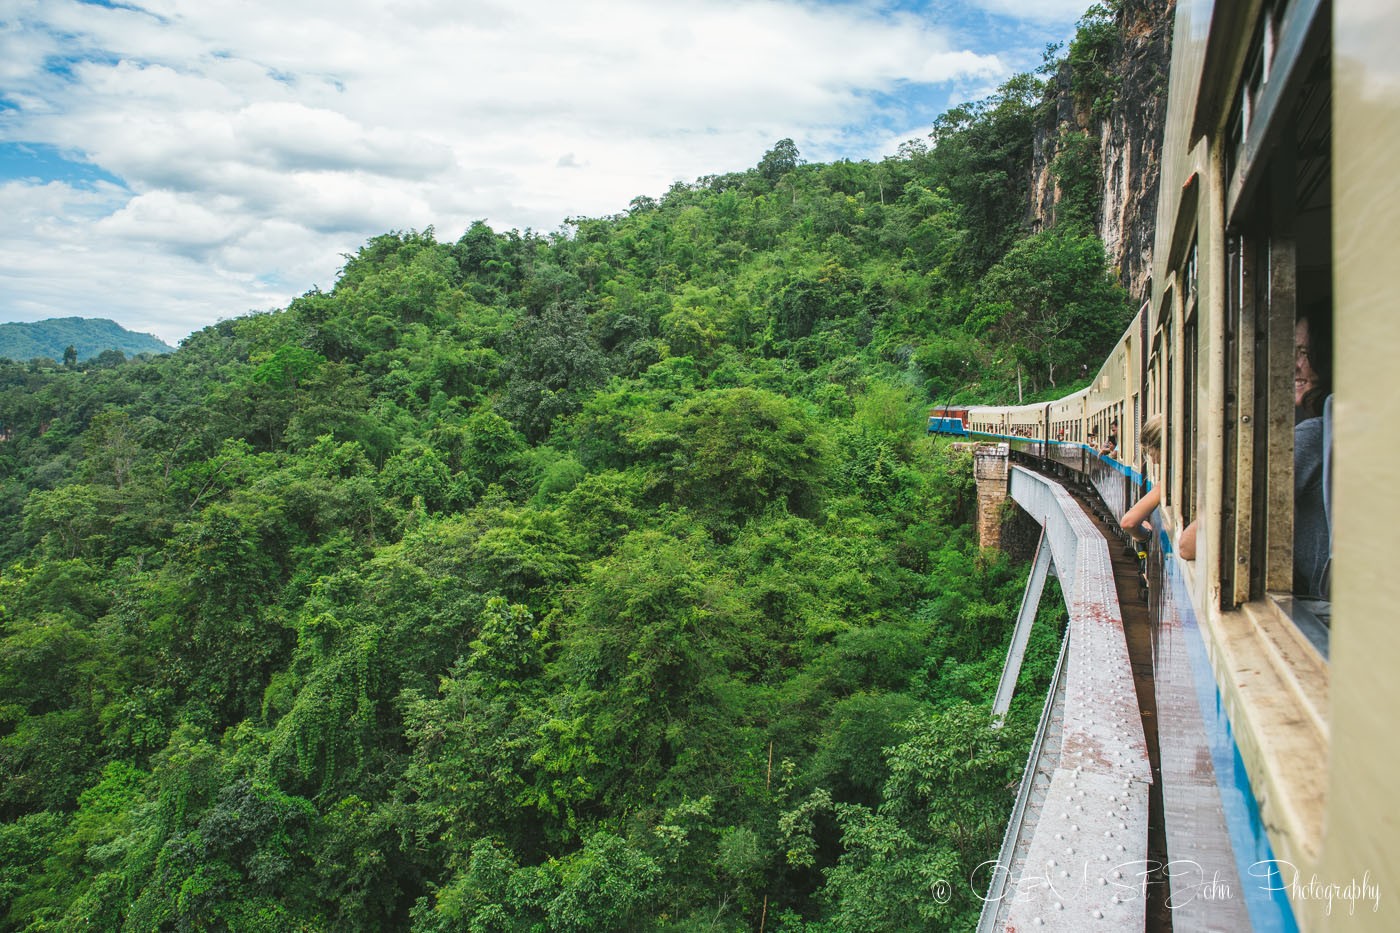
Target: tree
{"x":1079,"y":179}
{"x":1091,"y":52}
{"x":654,"y":627}
{"x":1053,"y":301}
{"x":734,"y":451}
{"x":207,"y":612}
{"x":982,"y":157}
{"x":779,"y":160}
{"x":554,"y":363}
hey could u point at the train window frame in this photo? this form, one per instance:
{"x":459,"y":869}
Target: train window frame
{"x":1263,"y":303}
{"x":1137,"y":427}
{"x":1277,"y":234}
{"x":1190,"y":384}
{"x":1153,"y":390}
{"x":1291,"y":33}
{"x":1239,"y":480}
{"x":1255,"y":72}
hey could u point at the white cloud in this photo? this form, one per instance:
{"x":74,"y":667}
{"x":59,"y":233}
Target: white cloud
{"x":258,"y":141}
{"x":1045,"y":11}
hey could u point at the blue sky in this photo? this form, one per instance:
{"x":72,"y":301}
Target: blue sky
{"x":171,"y":163}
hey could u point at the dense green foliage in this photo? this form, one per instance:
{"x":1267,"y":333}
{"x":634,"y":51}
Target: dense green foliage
{"x":599,"y":581}
{"x":1091,"y":53}
{"x":75,"y":340}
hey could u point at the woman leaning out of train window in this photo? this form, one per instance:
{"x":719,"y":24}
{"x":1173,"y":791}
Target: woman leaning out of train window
{"x":1312,"y":384}
{"x":1137,"y":520}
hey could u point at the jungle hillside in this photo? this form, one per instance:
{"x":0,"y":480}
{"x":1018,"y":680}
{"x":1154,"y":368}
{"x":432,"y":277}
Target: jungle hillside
{"x":594,"y":580}
{"x":75,"y":340}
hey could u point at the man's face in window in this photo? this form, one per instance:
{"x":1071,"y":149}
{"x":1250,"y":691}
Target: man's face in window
{"x":1305,"y":378}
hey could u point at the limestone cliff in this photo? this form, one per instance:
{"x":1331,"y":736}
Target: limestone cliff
{"x":1125,"y":124}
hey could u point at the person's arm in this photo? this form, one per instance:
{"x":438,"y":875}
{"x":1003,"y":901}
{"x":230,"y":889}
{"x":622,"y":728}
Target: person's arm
{"x":1186,"y":544}
{"x":1135,"y":520}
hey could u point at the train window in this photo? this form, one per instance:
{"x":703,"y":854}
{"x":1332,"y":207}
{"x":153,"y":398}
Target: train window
{"x":1277,"y":347}
{"x":1288,"y":39}
{"x":1239,"y":130}
{"x":1189,"y":404}
{"x":1192,"y":274}
{"x":1154,"y":377}
{"x":1265,"y":288}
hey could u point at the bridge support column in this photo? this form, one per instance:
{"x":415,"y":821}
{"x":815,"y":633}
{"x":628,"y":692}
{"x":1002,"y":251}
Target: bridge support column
{"x":1030,"y":604}
{"x":990,"y":468}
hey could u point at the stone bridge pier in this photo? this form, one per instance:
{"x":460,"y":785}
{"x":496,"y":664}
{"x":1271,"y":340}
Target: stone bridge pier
{"x":1000,"y":522}
{"x":990,"y":466}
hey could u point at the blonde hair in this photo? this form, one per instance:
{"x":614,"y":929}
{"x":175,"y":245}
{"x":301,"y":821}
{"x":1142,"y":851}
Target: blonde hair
{"x":1151,"y":436}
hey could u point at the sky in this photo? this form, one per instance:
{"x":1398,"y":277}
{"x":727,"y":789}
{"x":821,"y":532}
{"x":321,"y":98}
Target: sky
{"x":172,"y":163}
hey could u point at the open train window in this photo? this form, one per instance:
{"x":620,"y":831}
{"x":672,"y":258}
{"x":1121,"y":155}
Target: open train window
{"x":1154,"y":389}
{"x":1278,"y":275}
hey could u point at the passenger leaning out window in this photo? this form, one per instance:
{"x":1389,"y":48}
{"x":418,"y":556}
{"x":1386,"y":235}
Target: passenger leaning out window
{"x":1137,"y":520}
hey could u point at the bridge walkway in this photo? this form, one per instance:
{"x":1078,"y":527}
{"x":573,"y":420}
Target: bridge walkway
{"x":1131,"y":584}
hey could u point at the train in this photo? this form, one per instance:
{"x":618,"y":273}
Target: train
{"x":1271,"y":304}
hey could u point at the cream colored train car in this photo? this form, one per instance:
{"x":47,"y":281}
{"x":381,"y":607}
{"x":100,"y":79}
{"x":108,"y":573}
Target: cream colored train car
{"x":1280,"y":201}
{"x":1066,"y":419}
{"x":1112,"y":402}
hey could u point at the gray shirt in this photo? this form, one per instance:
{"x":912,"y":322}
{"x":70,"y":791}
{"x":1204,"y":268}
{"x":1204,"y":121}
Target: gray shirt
{"x":1311,"y":548}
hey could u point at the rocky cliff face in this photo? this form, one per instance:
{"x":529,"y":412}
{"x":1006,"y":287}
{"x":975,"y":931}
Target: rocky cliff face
{"x":1128,"y":135}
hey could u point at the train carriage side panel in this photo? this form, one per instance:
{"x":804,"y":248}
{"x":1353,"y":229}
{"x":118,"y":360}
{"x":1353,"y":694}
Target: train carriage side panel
{"x":1362,"y":822}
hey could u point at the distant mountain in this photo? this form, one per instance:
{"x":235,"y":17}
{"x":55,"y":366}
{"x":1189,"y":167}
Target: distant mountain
{"x":89,"y":336}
